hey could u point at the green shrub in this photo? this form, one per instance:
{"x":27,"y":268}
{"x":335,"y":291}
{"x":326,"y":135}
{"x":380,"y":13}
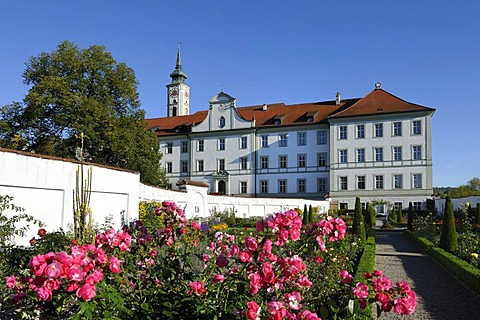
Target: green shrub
{"x":449,"y":237}
{"x":410,"y":217}
{"x":310,"y":214}
{"x":358,"y":227}
{"x":477,"y":214}
{"x":365,"y":264}
{"x":399,"y":215}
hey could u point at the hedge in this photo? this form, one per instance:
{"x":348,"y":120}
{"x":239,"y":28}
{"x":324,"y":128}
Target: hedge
{"x":459,"y":268}
{"x":366,"y":264}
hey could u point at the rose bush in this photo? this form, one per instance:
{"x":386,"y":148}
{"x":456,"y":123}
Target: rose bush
{"x":280,"y":271}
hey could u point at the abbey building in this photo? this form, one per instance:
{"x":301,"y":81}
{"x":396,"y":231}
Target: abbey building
{"x":378,"y":147}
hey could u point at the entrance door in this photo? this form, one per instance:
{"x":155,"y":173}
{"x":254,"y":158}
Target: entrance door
{"x":222,"y":187}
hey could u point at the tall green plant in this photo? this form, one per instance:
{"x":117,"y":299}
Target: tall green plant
{"x":410,"y":217}
{"x":399,"y":215}
{"x":449,"y":237}
{"x":305,"y":215}
{"x":82,"y":213}
{"x":310,"y":214}
{"x":371,"y":214}
{"x":358,"y":227}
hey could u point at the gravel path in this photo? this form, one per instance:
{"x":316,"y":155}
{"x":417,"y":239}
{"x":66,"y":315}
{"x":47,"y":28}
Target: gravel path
{"x":439,"y":295}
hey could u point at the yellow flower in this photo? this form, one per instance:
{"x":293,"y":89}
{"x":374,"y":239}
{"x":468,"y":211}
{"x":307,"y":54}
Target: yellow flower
{"x":474,"y":255}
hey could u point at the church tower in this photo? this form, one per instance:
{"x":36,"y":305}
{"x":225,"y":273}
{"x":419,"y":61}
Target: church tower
{"x":178,"y":92}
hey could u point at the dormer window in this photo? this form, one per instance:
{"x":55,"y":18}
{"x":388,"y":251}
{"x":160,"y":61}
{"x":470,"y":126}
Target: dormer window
{"x":277,"y":121}
{"x":221,"y":122}
{"x":309,"y":119}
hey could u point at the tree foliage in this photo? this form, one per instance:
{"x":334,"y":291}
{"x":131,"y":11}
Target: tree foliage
{"x":73,"y":91}
{"x":471,"y":188}
{"x":449,"y":237}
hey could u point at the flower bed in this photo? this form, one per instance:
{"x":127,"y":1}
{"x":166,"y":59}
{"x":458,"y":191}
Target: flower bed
{"x":283,"y":270}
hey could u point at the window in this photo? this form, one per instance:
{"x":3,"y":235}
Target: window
{"x":264,"y":186}
{"x":169,"y":147}
{"x":397,"y":181}
{"x":378,"y":182}
{"x":301,"y":139}
{"x":243,"y":142}
{"x":184,"y":165}
{"x":221,"y":143}
{"x":417,"y":206}
{"x":364,"y":205}
{"x":221,"y":122}
{"x":343,"y":205}
{"x":302,"y":160}
{"x":243,"y":163}
{"x":322,"y":184}
{"x":200,"y":165}
{"x":378,"y":130}
{"x":322,"y":159}
{"x":282,"y":186}
{"x":378,"y":154}
{"x":342,"y":132}
{"x":360,"y":131}
{"x":301,"y":185}
{"x":361,"y":182}
{"x":243,"y":186}
{"x":343,"y":155}
{"x":264,"y":141}
{"x":184,"y":146}
{"x":343,"y":183}
{"x":417,"y":152}
{"x":282,"y":140}
{"x":417,"y":181}
{"x":309,"y":119}
{"x":417,"y":127}
{"x":282,"y":161}
{"x":322,"y":137}
{"x":264,"y":162}
{"x":201,"y":145}
{"x":398,"y":205}
{"x":397,"y":153}
{"x":221,"y":164}
{"x":169,"y":167}
{"x":397,"y":129}
{"x":361,"y":155}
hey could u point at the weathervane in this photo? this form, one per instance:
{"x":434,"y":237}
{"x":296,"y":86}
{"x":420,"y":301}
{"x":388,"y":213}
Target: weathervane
{"x":222,"y":86}
{"x":178,"y":44}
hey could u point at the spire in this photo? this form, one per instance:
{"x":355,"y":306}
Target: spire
{"x":177,"y":75}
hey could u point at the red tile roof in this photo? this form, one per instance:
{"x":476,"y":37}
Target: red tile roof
{"x":376,"y":102}
{"x":379,"y":101}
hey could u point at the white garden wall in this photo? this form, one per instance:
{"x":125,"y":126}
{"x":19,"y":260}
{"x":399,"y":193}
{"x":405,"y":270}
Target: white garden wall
{"x":44,"y":186}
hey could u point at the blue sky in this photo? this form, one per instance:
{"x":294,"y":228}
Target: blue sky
{"x":426,"y":52}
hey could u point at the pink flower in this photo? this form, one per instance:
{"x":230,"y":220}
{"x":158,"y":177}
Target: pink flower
{"x":245,"y":256}
{"x":405,"y":305}
{"x":195,"y":226}
{"x":114,"y":264}
{"x":234,"y":250}
{"x":346,"y":277}
{"x":44,"y":294}
{"x":52,"y":284}
{"x":293,"y":300}
{"x":42,"y":232}
{"x":251,"y":243}
{"x":11,"y":282}
{"x":277,"y":310}
{"x":86,"y":292}
{"x":382,"y":284}
{"x":218,"y":278}
{"x":360,"y":290}
{"x":197,"y":288}
{"x":255,"y":283}
{"x":72,"y":286}
{"x":54,"y":269}
{"x":253,"y":311}
{"x":385,"y":301}
{"x":308,"y":315}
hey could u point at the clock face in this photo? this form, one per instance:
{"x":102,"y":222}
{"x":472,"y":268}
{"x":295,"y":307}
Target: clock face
{"x":186,"y":94}
{"x":174,"y":92}
{"x":221,"y":108}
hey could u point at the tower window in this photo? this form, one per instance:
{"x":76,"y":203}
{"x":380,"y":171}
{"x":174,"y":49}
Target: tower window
{"x":221,"y":122}
{"x":174,"y":111}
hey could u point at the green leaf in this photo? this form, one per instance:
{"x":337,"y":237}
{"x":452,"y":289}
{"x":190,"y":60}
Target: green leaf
{"x":145,"y":306}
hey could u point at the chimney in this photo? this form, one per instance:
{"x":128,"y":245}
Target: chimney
{"x":337,"y":98}
{"x":264,"y":107}
{"x":378,"y":85}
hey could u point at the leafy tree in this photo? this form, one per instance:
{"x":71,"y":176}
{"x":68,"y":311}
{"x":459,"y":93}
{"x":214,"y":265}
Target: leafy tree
{"x":358,"y":227}
{"x":449,"y":237}
{"x":410,"y":217}
{"x":73,"y":91}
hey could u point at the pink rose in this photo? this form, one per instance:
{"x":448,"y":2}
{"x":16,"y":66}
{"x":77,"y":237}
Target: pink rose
{"x":222,"y":261}
{"x":245,"y":256}
{"x":346,"y":277}
{"x":218,"y":278}
{"x":114,"y":264}
{"x":72,"y":286}
{"x":360,"y":290}
{"x":253,"y":311}
{"x":86,"y":292}
{"x":44,"y":294}
{"x":195,"y":225}
{"x":54,"y":269}
{"x":251,"y":243}
{"x":11,"y":282}
{"x":197,"y":288}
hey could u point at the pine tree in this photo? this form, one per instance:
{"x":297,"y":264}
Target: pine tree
{"x":449,"y":237}
{"x":410,"y":217}
{"x":305,"y":215}
{"x":371,"y":213}
{"x":310,"y":214}
{"x":358,"y":227}
{"x":368,"y":217}
{"x":399,"y":215}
